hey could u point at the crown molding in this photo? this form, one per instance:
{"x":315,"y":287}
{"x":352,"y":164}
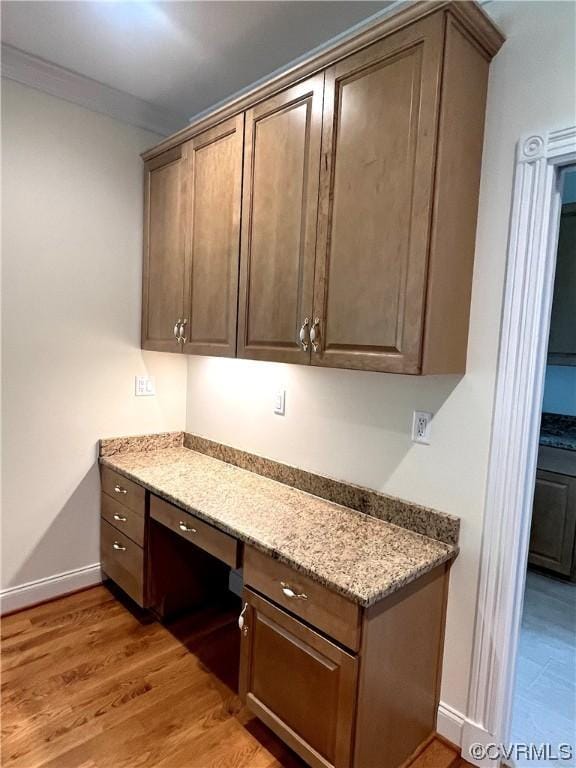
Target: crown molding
{"x":64,"y":84}
{"x":394,"y":17}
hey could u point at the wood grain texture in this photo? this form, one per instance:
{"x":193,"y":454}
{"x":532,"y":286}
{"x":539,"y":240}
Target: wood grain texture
{"x":213,"y":162}
{"x":87,"y":683}
{"x":330,"y":612}
{"x":201,"y":534}
{"x":123,"y":561}
{"x":553,"y":531}
{"x":375,"y":201}
{"x":280,"y":200}
{"x":123,"y":490}
{"x":301,"y":684}
{"x":400,"y":668}
{"x":123,"y":518}
{"x":478,"y":23}
{"x":456,"y":190}
{"x":165,"y":195}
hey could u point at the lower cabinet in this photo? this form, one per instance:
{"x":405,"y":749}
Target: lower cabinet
{"x":337,"y":706}
{"x":553,"y":533}
{"x":299,"y":683}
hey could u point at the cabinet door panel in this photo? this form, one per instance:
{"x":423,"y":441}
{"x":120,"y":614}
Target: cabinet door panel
{"x":300,"y":684}
{"x":380,"y":114}
{"x":553,"y":531}
{"x":279,"y":214}
{"x":163,"y":272}
{"x":214,"y":163}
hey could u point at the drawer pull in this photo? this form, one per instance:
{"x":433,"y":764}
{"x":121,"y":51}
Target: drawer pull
{"x":186,"y":528}
{"x":289,"y":592}
{"x":242,"y":626}
{"x":119,"y":489}
{"x":119,"y":547}
{"x":120,"y":518}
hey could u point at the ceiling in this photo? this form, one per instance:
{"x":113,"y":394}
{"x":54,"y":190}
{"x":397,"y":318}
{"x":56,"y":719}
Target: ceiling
{"x":181,"y":57}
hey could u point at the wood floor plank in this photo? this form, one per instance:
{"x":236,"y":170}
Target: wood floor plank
{"x":87,"y":683}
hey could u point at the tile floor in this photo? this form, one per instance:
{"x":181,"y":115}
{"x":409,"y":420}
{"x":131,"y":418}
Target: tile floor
{"x":545,"y":696}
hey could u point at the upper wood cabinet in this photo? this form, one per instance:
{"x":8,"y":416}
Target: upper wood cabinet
{"x":192,"y":242}
{"x":164,"y":235}
{"x":214,"y":173}
{"x":380,"y":114}
{"x":359,"y":196}
{"x":279,"y":212}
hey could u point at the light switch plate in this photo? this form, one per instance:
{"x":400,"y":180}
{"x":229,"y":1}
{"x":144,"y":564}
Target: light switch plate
{"x":280,"y":402}
{"x":421,"y":427}
{"x":144,"y":386}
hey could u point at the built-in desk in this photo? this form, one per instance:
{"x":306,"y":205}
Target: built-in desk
{"x":341,"y":617}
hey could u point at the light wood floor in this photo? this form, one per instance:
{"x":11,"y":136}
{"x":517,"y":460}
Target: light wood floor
{"x":86,"y":683}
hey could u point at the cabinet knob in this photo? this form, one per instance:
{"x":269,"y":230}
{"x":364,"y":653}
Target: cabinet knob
{"x":292,"y":594}
{"x":315,"y":335}
{"x":304,"y":335}
{"x":186,"y":528}
{"x":119,"y":489}
{"x":176,"y":330}
{"x":119,"y":547}
{"x":120,"y":518}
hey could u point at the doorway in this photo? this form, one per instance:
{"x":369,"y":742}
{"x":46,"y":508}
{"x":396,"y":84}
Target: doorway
{"x":544,"y":705}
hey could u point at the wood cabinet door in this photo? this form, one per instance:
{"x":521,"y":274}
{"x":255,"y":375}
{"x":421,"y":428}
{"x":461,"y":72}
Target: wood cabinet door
{"x":279,"y":215}
{"x":553,"y":532}
{"x":299,"y":683}
{"x":164,"y":238}
{"x":375,"y":209}
{"x":214,"y":172}
{"x":562,"y":342}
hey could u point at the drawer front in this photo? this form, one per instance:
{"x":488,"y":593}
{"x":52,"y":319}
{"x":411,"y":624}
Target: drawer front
{"x":196,"y":531}
{"x":300,"y":684}
{"x":332,"y":613}
{"x":123,"y":518}
{"x":129,"y":494}
{"x":123,"y":561}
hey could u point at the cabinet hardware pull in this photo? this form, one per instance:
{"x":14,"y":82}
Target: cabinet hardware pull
{"x":289,"y":592}
{"x":186,"y":528}
{"x":242,"y":626}
{"x":315,"y":335}
{"x":119,"y":489}
{"x":119,"y":547}
{"x":181,"y":336}
{"x":120,"y":518}
{"x":303,"y":334}
{"x":177,"y":330}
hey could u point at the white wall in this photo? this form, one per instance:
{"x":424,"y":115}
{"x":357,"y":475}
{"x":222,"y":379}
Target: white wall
{"x":355,"y":425}
{"x":72,"y":235}
{"x":560,"y":390}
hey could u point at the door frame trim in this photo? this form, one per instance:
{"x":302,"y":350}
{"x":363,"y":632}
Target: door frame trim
{"x":529,"y":285}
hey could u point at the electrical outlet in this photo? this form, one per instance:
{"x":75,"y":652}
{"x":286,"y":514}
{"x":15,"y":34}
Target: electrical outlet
{"x":280,"y":402}
{"x":421,"y":426}
{"x":144,"y":386}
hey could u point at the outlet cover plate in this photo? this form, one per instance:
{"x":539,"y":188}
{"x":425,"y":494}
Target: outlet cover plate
{"x":144,"y":386}
{"x":421,"y":427}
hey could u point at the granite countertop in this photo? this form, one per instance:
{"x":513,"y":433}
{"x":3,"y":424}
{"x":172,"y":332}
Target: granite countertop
{"x":558,"y":431}
{"x":357,"y":555}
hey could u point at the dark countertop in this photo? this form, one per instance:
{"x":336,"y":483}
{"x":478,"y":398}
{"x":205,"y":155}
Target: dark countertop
{"x":558,"y":431}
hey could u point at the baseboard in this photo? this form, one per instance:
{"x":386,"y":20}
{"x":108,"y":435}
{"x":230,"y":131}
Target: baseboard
{"x":450,"y":723}
{"x":26,"y":595}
